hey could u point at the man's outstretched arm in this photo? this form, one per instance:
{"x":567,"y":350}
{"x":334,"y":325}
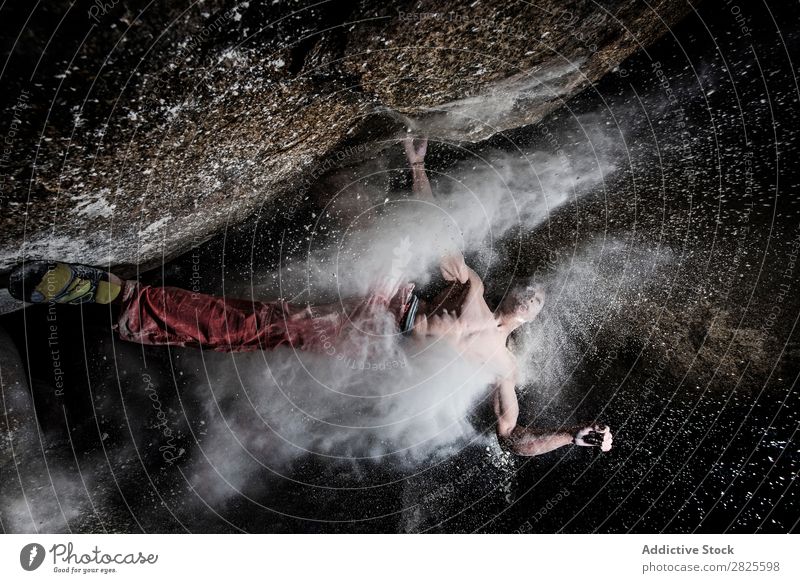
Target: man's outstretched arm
{"x":452,"y":265}
{"x":530,"y":442}
{"x":415,"y":152}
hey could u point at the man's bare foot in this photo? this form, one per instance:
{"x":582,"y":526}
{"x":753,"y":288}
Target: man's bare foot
{"x":594,"y":436}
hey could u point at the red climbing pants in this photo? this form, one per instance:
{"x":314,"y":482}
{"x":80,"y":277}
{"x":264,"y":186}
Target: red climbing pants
{"x":178,"y":317}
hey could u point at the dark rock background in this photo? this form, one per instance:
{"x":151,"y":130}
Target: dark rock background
{"x":149,"y":132}
{"x":683,"y":331}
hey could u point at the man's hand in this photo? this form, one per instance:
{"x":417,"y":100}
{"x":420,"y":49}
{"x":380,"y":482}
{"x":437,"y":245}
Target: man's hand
{"x":454,"y":268}
{"x":415,"y":150}
{"x":594,"y":436}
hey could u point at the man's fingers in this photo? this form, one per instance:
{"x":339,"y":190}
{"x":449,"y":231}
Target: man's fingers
{"x":608,"y":441}
{"x":463,"y":273}
{"x":415,"y":148}
{"x":595,"y":436}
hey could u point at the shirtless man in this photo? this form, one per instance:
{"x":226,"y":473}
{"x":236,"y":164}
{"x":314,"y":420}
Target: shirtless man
{"x":459,"y":316}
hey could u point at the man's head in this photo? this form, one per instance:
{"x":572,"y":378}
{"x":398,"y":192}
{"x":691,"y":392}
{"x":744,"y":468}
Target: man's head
{"x":522,"y":304}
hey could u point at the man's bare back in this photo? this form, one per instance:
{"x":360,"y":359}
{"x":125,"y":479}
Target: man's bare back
{"x":460,"y":316}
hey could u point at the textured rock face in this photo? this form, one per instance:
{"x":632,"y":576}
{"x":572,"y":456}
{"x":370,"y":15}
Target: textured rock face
{"x":163,"y":127}
{"x":471,"y":70}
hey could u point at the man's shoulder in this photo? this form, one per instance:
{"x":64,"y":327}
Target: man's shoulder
{"x":474,"y":280}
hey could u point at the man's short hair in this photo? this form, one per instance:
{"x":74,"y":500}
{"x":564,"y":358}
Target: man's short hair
{"x":517,"y":296}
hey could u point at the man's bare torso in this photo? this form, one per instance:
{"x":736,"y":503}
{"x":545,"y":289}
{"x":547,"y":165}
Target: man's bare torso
{"x":460,"y":317}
